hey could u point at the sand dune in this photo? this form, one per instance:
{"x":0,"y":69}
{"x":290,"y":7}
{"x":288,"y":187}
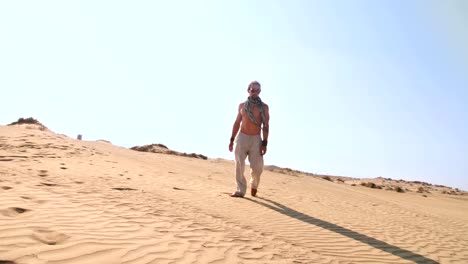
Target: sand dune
{"x":69,"y":201}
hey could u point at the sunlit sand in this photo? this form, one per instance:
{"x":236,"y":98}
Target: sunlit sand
{"x":64,"y":200}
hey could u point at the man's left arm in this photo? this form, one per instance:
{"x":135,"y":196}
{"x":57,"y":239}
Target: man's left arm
{"x":265,"y":129}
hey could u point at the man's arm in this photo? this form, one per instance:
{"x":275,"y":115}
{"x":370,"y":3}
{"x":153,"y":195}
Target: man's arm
{"x":265,"y":129}
{"x":266,"y":124}
{"x":235,"y":128}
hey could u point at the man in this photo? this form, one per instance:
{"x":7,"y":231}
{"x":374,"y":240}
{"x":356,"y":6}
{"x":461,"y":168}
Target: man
{"x":252,"y":119}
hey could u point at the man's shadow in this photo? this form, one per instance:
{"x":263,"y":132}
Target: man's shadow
{"x":397,"y":251}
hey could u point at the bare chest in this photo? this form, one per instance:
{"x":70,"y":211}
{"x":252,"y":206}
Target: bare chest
{"x":254,"y":109}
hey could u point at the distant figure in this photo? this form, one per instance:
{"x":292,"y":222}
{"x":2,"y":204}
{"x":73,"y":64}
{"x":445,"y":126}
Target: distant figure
{"x":252,"y":119}
{"x":79,"y":137}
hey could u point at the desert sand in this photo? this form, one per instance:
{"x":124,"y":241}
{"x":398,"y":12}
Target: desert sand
{"x":68,"y":201}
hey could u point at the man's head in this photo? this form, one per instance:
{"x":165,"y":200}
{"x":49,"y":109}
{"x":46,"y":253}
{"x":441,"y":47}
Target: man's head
{"x":254,"y":89}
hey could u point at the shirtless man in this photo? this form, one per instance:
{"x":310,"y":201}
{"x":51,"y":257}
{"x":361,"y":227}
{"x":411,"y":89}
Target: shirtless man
{"x":252,"y":114}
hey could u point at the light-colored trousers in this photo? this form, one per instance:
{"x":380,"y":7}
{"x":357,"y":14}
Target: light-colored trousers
{"x":248,"y":146}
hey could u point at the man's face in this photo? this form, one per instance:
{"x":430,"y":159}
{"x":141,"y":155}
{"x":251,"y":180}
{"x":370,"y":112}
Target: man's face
{"x":254,"y":90}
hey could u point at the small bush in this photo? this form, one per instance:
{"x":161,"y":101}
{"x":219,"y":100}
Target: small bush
{"x":371,"y":185}
{"x":327,"y":178}
{"x":148,"y":148}
{"x":399,"y":189}
{"x":421,"y":190}
{"x":28,"y":121}
{"x":195,"y":155}
{"x":160,"y":148}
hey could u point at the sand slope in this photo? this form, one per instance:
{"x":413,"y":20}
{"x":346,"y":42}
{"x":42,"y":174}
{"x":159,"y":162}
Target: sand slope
{"x":69,"y":201}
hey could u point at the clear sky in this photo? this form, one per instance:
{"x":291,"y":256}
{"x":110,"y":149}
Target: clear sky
{"x":355,"y":88}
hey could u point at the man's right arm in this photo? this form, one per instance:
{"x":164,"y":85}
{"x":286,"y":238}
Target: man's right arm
{"x":235,"y":128}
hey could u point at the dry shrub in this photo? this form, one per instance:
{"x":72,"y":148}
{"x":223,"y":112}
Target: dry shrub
{"x":423,"y":190}
{"x":148,"y":148}
{"x":327,"y":178}
{"x":449,"y":192}
{"x":194,"y":155}
{"x":29,"y":121}
{"x":160,"y":148}
{"x":399,"y":189}
{"x":371,"y":185}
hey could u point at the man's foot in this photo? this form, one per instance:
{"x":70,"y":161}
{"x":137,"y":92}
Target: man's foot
{"x":235,"y":194}
{"x":253,"y":192}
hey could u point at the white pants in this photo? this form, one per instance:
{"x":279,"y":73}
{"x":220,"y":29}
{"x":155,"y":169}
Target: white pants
{"x":248,"y":146}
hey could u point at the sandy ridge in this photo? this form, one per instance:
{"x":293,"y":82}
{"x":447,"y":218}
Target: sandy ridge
{"x":69,"y":201}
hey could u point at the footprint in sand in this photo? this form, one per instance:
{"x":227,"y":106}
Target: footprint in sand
{"x":48,"y":237}
{"x":13,"y":211}
{"x":48,"y":184}
{"x":124,"y":189}
{"x":43,"y":173}
{"x":6,"y":187}
{"x":32,"y":199}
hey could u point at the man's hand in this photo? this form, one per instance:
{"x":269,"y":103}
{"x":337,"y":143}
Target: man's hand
{"x":263,"y":147}
{"x":231,"y":144}
{"x":263,"y":150}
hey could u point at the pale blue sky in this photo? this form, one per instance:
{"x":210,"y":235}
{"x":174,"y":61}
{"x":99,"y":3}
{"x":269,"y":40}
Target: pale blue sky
{"x":355,"y":88}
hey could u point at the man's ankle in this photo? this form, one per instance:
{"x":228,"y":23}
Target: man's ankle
{"x":253,"y":191}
